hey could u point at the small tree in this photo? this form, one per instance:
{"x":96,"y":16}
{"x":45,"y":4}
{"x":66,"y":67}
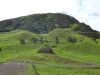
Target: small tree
{"x":57,"y":40}
{"x":22,"y":41}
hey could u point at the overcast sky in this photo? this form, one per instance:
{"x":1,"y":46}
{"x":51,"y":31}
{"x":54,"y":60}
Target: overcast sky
{"x":87,"y":11}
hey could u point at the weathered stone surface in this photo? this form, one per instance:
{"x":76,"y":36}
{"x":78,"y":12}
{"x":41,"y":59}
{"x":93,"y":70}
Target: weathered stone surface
{"x":45,"y":50}
{"x":38,"y":23}
{"x":44,"y":23}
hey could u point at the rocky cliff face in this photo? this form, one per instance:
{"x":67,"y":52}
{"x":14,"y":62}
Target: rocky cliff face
{"x":43,"y":23}
{"x":87,"y":31}
{"x":38,"y":23}
{"x":84,"y":28}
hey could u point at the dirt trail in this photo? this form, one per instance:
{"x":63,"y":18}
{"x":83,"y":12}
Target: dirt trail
{"x":68,"y":66}
{"x":13,"y":68}
{"x":17,"y":68}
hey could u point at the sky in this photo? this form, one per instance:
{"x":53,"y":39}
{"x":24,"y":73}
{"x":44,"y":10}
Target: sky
{"x":86,"y":11}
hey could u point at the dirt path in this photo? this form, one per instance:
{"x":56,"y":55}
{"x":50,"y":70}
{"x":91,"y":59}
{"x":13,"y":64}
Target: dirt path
{"x":68,"y":66}
{"x":17,"y":68}
{"x":13,"y":68}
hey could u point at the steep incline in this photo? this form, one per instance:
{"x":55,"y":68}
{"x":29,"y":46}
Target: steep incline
{"x":45,"y":23}
{"x":38,"y":23}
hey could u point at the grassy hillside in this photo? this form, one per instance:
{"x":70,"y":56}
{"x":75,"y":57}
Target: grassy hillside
{"x":82,"y":52}
{"x":10,"y":41}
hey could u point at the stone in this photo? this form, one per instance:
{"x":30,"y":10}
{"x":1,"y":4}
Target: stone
{"x":45,"y":50}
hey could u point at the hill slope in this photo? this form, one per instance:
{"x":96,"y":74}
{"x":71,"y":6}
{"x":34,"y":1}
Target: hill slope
{"x":11,"y":47}
{"x":42,"y":23}
{"x":71,"y":51}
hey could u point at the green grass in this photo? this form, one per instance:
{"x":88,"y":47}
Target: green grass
{"x":30,"y":70}
{"x":64,"y":53}
{"x":52,"y":70}
{"x":10,"y":41}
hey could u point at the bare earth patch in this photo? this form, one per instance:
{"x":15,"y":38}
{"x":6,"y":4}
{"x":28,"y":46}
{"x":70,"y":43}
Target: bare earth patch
{"x":13,"y":68}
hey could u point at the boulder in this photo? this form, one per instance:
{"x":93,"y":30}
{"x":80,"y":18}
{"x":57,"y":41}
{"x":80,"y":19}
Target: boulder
{"x":45,"y":50}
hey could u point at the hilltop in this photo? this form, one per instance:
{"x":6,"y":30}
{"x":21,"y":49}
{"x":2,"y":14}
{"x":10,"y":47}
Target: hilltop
{"x":45,"y":23}
{"x":42,"y":23}
{"x":38,"y":23}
